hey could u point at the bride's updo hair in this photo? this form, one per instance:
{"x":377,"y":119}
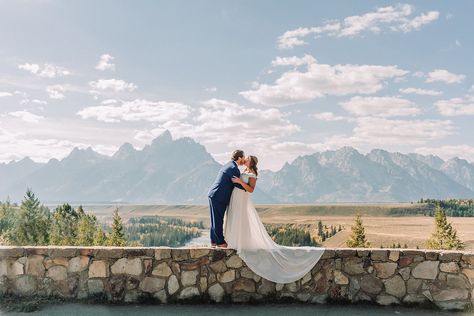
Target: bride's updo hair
{"x":253,"y":164}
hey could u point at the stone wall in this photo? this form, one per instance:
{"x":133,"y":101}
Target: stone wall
{"x":165,"y":275}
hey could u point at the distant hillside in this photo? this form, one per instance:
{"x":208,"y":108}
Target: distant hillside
{"x":180,"y":172}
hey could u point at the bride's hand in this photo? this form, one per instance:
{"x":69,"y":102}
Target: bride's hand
{"x":236,"y":180}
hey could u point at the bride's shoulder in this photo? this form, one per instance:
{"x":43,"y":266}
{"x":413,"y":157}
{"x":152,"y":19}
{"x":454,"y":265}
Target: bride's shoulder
{"x":251,"y":174}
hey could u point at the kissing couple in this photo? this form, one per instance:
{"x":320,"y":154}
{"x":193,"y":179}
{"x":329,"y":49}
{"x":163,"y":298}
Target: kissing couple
{"x":235,"y":224}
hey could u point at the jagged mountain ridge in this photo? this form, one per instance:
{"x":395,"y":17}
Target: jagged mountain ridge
{"x":180,"y":171}
{"x":345,"y":175}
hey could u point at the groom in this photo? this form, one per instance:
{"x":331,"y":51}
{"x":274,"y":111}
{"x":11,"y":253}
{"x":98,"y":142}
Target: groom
{"x":219,"y":196}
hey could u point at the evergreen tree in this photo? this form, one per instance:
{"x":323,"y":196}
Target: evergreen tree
{"x":86,"y":228}
{"x":7,"y":217}
{"x":320,"y":229}
{"x":100,"y":238}
{"x":444,"y":236}
{"x":64,"y":225}
{"x":117,"y":236}
{"x":357,"y":239}
{"x":32,"y":223}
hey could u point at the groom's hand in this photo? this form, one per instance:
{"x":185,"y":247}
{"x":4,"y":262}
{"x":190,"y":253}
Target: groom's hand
{"x":236,"y":180}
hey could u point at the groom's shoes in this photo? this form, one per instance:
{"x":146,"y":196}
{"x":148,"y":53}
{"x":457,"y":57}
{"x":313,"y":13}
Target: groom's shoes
{"x":224,"y":245}
{"x":213,"y":245}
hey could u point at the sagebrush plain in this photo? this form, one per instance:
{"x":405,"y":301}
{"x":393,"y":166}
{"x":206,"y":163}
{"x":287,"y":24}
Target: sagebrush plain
{"x":381,"y":226}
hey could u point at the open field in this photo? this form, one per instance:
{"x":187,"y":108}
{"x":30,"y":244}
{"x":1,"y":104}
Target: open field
{"x":274,"y":211}
{"x":381,"y":229}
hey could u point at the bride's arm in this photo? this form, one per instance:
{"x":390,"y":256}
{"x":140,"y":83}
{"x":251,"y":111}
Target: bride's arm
{"x":248,"y":187}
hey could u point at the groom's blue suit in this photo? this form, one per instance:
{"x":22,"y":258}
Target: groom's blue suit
{"x":219,"y":198}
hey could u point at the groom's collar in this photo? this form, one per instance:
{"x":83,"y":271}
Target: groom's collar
{"x":235,"y":162}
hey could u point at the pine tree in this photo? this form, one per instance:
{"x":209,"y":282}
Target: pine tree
{"x":6,"y":216}
{"x":86,"y":228}
{"x":32,"y":223}
{"x":64,"y":225}
{"x":7,"y":220}
{"x":357,"y":239}
{"x":444,"y":236}
{"x":117,"y":236}
{"x":320,"y":229}
{"x":100,"y":238}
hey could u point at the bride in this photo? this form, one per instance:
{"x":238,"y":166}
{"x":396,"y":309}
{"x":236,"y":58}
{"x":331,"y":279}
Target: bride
{"x":244,"y":231}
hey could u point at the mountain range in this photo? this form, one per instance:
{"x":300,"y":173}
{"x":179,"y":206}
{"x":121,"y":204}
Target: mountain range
{"x":180,"y":171}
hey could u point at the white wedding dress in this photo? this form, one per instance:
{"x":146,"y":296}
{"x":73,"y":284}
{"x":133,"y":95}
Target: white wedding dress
{"x":244,"y":231}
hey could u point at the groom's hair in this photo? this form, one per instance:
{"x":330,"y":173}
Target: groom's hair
{"x":236,"y":154}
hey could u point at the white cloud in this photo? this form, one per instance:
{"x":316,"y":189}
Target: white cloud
{"x":17,"y":145}
{"x":449,"y":151}
{"x":455,"y":106}
{"x":294,"y":61}
{"x":371,"y":132}
{"x":418,"y":74}
{"x":5,"y":94}
{"x":293,"y":38}
{"x":222,"y":121}
{"x":211,"y":89}
{"x":397,"y":18}
{"x":45,"y":71}
{"x":420,"y":91}
{"x":382,"y":131}
{"x":417,"y":22}
{"x":222,"y":126}
{"x":112,"y":84}
{"x":137,"y":110}
{"x":105,"y":63}
{"x":319,"y":80}
{"x":444,"y":76}
{"x":290,"y":150}
{"x":36,"y":101}
{"x":330,"y":116}
{"x":27,"y":116}
{"x":56,"y":92}
{"x":380,"y":106}
{"x":220,"y":117}
{"x":109,"y":101}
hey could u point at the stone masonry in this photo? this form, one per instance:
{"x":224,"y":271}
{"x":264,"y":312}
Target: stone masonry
{"x":166,"y":275}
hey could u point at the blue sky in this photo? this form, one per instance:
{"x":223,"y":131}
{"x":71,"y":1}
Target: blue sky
{"x":276,"y":78}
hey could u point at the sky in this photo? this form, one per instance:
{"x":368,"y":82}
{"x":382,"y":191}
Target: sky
{"x":278,"y":79}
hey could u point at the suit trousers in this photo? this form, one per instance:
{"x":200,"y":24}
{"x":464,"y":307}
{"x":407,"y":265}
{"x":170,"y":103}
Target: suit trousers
{"x":217,"y":221}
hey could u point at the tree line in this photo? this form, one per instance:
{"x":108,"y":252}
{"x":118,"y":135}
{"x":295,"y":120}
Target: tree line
{"x":154,"y":231}
{"x":452,"y":207}
{"x":31,"y":223}
{"x":325,"y":232}
{"x":290,"y":235}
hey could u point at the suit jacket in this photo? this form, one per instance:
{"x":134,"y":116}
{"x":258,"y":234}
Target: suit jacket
{"x":222,"y":187}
